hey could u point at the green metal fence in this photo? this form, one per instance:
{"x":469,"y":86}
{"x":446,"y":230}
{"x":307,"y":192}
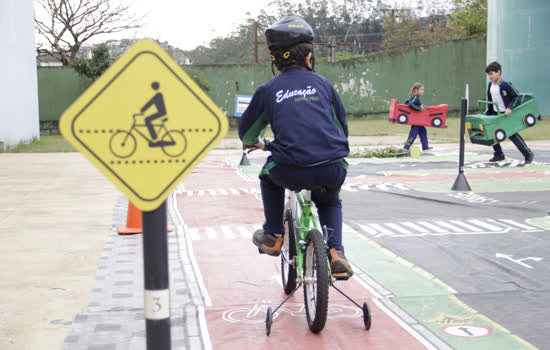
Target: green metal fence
{"x":366,"y":86}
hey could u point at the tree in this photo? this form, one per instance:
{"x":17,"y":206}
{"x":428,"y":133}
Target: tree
{"x":470,"y":17}
{"x":70,"y":23}
{"x":94,"y":67}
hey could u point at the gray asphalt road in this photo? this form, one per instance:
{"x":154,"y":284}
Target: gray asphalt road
{"x":486,"y":251}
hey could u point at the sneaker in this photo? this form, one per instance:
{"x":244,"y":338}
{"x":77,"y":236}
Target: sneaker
{"x":427,"y":149}
{"x":338,"y":262}
{"x":529,"y":159}
{"x":498,"y":157}
{"x":268,"y":243}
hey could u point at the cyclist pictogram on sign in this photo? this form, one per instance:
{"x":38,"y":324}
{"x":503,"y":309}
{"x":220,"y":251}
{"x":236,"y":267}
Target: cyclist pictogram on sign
{"x":144,"y":123}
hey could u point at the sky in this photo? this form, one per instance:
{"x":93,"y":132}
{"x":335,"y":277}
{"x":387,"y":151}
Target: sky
{"x":187,"y":24}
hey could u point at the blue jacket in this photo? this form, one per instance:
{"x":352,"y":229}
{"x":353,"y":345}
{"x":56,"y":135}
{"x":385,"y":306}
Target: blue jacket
{"x":507,"y":92}
{"x":306,"y":116}
{"x":414,"y":102}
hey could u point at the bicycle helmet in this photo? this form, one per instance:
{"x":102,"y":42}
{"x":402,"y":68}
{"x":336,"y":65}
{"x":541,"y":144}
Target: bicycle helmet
{"x":289,"y":40}
{"x":288,"y":32}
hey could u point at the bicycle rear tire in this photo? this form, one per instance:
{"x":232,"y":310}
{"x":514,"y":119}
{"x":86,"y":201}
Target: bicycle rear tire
{"x":288,"y":272}
{"x":316,"y":282}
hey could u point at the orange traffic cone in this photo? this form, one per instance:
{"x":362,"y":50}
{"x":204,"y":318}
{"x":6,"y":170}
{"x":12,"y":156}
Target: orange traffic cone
{"x":133,"y":222}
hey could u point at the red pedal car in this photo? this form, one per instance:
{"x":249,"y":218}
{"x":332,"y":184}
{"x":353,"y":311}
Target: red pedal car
{"x":433,"y":116}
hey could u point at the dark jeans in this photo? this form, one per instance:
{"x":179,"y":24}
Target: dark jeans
{"x":516,"y":139}
{"x":520,"y":145}
{"x":274,"y":178}
{"x":417,"y":130}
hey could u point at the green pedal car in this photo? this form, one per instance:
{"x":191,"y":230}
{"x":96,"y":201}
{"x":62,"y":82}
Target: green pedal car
{"x":491,"y":129}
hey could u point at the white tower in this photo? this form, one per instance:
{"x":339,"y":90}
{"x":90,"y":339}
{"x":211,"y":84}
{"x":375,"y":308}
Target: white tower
{"x":18,"y":80}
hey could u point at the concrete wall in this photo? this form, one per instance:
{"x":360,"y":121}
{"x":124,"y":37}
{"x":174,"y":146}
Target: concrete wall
{"x":518,"y":36}
{"x":18,"y":84}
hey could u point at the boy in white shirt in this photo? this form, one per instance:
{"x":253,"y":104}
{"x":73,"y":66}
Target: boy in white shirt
{"x":502,"y":93}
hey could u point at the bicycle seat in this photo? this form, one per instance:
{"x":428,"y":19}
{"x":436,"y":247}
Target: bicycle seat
{"x":312,"y":188}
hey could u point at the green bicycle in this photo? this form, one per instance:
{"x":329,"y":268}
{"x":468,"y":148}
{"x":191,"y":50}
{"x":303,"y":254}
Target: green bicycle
{"x":304,"y":262}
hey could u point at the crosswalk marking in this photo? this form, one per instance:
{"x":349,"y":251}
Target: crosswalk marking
{"x":244,"y":232}
{"x":194,"y":234}
{"x":468,"y":227}
{"x":368,"y":229}
{"x":431,"y":227}
{"x":449,"y":226}
{"x":415,"y":227}
{"x":444,"y":227}
{"x":210,"y":233}
{"x":512,"y":222}
{"x":228,"y":232}
{"x":398,"y":228}
{"x":256,"y":190}
{"x":223,"y":192}
{"x":381,"y":229}
{"x":484,"y":224}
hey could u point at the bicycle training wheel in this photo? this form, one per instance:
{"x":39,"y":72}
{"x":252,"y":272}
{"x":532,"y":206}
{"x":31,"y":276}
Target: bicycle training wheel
{"x":174,"y":143}
{"x":316,"y":282}
{"x":288,"y":272}
{"x":122,"y":144}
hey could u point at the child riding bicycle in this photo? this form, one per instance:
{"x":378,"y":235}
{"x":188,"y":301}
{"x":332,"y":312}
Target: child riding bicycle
{"x":311,"y":138}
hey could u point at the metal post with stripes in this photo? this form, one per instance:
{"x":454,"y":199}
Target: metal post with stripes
{"x":156,"y":274}
{"x":461,"y":184}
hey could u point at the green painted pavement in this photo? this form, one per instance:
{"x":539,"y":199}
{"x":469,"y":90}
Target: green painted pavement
{"x":426,"y":298}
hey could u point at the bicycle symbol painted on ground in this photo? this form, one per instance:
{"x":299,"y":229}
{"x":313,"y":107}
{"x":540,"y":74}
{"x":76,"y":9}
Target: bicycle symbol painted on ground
{"x":173,"y":143}
{"x":256,"y":313}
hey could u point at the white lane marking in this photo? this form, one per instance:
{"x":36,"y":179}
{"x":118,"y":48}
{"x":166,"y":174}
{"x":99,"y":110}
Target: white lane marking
{"x":449,"y":226}
{"x":201,"y":192}
{"x":189,"y":193}
{"x":348,"y":188}
{"x":194,"y":233}
{"x":415,"y":227}
{"x":244,"y":232}
{"x":223,"y":192}
{"x":383,"y":187}
{"x":517,"y":224}
{"x":210,"y":233}
{"x":368,"y":229}
{"x":233,"y":191}
{"x":212,"y":192}
{"x":402,"y":187}
{"x":486,"y":225}
{"x":383,"y":231}
{"x":398,"y":228}
{"x":519,"y":261}
{"x":469,"y":227}
{"x":432,"y":227}
{"x":363,"y":187}
{"x":227,"y":233}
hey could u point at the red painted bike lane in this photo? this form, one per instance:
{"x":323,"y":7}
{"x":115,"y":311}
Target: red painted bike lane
{"x":221,"y":209}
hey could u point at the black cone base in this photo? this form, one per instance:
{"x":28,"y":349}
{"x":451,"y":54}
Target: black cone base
{"x":461,"y":184}
{"x":244,"y":160}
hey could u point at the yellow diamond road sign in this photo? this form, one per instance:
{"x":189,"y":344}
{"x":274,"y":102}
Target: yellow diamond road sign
{"x":145,"y":124}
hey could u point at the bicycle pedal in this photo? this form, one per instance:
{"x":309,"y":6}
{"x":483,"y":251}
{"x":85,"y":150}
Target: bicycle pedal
{"x":341,"y":276}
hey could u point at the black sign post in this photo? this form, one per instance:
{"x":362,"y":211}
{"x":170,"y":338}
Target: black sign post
{"x":461,"y":184}
{"x":155,"y":268}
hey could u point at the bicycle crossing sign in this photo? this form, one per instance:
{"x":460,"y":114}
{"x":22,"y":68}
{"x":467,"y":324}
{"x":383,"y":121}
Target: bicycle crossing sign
{"x":145,"y":124}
